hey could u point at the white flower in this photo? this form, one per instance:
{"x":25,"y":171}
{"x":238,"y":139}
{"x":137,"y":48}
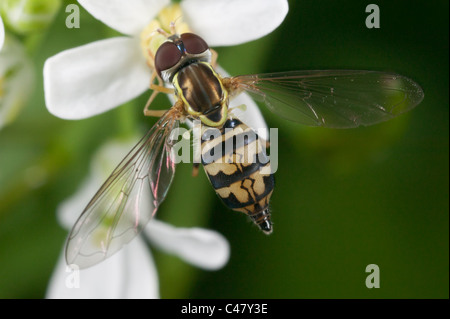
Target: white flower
{"x":2,"y":33}
{"x":99,"y":76}
{"x":16,"y":79}
{"x":131,"y":272}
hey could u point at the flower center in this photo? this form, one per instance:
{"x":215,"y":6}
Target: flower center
{"x":168,"y":21}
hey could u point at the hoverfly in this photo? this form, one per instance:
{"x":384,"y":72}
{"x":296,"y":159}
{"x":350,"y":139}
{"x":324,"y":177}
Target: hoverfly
{"x":130,"y":197}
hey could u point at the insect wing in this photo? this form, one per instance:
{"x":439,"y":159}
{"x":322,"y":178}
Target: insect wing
{"x":335,"y":99}
{"x":126,"y":201}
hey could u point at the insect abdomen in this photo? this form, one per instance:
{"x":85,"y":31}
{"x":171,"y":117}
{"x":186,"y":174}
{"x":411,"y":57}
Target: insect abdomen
{"x":239,"y":170}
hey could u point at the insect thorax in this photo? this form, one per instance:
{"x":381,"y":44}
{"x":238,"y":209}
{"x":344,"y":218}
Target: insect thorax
{"x":202,"y":92}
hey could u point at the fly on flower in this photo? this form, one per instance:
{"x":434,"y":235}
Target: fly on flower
{"x":132,"y":194}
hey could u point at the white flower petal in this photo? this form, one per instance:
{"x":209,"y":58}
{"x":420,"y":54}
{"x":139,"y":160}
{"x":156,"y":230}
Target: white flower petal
{"x":2,"y":33}
{"x":69,"y":210}
{"x":231,"y":22}
{"x":94,"y":78}
{"x":129,"y":274}
{"x":251,"y":115}
{"x":103,"y":163}
{"x":201,"y":247}
{"x":126,"y":16}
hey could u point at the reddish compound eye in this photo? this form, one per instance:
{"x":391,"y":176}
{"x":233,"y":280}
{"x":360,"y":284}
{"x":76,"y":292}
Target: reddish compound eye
{"x":193,"y":44}
{"x":166,"y":57}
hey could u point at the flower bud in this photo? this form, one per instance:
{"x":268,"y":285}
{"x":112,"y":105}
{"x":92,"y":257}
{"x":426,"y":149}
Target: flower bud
{"x":27,"y":16}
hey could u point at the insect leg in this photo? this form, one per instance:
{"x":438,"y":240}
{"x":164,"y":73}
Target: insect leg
{"x":155,"y":113}
{"x":160,"y":88}
{"x":195,"y":169}
{"x":214,"y":56}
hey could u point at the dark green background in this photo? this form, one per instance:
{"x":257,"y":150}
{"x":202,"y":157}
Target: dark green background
{"x":343,"y":199}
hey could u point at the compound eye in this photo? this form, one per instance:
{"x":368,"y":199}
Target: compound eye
{"x":166,"y":57}
{"x":193,"y":44}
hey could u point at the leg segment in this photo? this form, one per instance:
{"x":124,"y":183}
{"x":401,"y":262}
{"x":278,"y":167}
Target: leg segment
{"x":160,"y":88}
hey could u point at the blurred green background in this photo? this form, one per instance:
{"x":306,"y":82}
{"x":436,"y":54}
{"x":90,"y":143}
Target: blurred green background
{"x":343,"y":199}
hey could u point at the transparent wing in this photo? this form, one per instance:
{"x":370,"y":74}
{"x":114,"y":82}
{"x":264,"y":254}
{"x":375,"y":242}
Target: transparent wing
{"x":127,"y":200}
{"x":332,"y":98}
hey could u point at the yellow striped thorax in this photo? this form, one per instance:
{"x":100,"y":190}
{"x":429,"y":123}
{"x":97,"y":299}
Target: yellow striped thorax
{"x":202,"y":92}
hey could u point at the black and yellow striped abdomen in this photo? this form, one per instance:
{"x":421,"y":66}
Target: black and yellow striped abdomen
{"x":239,"y":170}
